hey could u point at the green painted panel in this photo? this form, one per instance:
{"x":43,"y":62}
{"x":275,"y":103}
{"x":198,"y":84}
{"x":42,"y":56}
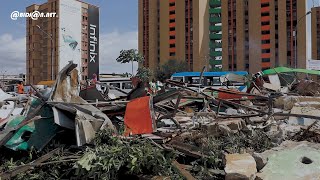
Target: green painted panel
{"x":216,"y":53}
{"x":214,"y":10}
{"x":215,"y":36}
{"x":215,"y":28}
{"x":215,"y":19}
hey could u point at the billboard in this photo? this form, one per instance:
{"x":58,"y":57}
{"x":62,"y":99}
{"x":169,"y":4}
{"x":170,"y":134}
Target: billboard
{"x":93,"y":39}
{"x":69,"y":33}
{"x":313,"y":64}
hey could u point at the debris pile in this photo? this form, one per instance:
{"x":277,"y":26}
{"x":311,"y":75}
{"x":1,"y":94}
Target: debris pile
{"x":186,"y":131}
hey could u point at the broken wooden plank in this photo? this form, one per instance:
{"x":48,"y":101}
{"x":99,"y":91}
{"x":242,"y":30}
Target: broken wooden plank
{"x":26,"y":167}
{"x":186,"y":149}
{"x":182,"y":170}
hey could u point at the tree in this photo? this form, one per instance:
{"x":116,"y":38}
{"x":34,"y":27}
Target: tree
{"x":170,"y":67}
{"x":131,"y":55}
{"x":144,"y":74}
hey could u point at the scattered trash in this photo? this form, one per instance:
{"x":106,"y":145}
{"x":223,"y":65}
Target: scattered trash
{"x":183,"y":131}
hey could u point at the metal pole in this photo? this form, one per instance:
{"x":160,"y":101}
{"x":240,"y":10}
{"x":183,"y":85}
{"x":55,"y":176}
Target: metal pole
{"x":132,"y":67}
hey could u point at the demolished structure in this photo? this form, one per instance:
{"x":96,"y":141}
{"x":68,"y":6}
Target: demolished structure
{"x":187,"y":132}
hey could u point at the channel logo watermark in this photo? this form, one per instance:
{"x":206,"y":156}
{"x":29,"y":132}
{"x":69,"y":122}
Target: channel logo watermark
{"x":34,"y":15}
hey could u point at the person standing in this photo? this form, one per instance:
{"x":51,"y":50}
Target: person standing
{"x":20,"y":88}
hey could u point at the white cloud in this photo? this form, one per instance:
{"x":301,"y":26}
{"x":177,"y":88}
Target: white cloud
{"x":13,"y":52}
{"x":110,"y":46}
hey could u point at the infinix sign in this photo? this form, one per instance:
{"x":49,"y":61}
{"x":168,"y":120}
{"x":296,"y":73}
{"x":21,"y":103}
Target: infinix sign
{"x":93,"y":38}
{"x":93,"y":43}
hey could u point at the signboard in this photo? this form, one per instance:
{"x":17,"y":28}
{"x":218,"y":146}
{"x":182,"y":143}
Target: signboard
{"x":93,"y":39}
{"x":69,"y":33}
{"x":313,"y":64}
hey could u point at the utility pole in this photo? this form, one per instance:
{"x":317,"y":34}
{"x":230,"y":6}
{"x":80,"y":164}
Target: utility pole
{"x":52,"y":48}
{"x":3,"y":84}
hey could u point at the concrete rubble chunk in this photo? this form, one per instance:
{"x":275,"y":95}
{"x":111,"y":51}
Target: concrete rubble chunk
{"x":240,"y":167}
{"x":288,"y":102}
{"x":260,"y":160}
{"x":304,"y":111}
{"x":235,"y":124}
{"x":225,"y":126}
{"x":292,"y":160}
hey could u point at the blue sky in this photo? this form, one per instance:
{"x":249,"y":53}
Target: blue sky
{"x":119,"y":30}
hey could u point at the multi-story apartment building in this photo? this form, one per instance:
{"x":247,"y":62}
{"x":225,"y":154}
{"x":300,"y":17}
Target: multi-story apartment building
{"x":72,"y":35}
{"x":174,"y":29}
{"x":259,"y":34}
{"x":230,"y":35}
{"x":315,"y":32}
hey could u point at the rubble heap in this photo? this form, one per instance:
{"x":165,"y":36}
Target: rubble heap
{"x":185,"y":132}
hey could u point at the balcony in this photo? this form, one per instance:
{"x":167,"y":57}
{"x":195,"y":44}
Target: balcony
{"x":215,"y":45}
{"x":172,"y":33}
{"x":172,"y":41}
{"x":266,"y":55}
{"x":172,"y":8}
{"x":172,"y":16}
{"x":265,"y":37}
{"x":215,"y":62}
{"x":172,"y":25}
{"x":216,"y":53}
{"x":266,"y":65}
{"x":266,"y":46}
{"x":215,"y":3}
{"x":215,"y":69}
{"x":214,"y":11}
{"x":215,"y":36}
{"x":265,"y":9}
{"x":215,"y":28}
{"x":215,"y":19}
{"x":172,"y":50}
{"x":265,"y":27}
{"x":265,"y":18}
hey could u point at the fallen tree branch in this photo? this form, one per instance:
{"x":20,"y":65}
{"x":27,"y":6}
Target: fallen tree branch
{"x":26,"y":167}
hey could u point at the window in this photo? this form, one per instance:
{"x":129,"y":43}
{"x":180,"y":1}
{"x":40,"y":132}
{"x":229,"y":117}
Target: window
{"x":117,"y":85}
{"x":265,"y":59}
{"x":172,"y":20}
{"x":172,"y":45}
{"x":265,"y":23}
{"x":265,"y":32}
{"x":172,"y":29}
{"x":127,"y":85}
{"x":172,"y":12}
{"x":172,"y":54}
{"x":179,"y":79}
{"x":265,"y":51}
{"x":172,"y":37}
